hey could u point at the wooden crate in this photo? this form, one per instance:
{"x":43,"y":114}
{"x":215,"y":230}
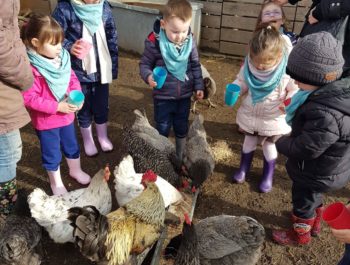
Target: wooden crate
{"x":227,"y":25}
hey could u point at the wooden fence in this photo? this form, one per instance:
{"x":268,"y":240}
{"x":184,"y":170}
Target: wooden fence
{"x":227,"y":25}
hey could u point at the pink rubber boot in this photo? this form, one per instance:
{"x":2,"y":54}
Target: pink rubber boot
{"x":76,"y":172}
{"x":89,"y":144}
{"x":106,"y":144}
{"x":56,"y":183}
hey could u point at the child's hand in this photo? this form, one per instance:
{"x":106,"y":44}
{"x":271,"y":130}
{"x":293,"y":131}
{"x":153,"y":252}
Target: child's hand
{"x":312,"y":19}
{"x":343,"y":235}
{"x":199,"y":94}
{"x":76,"y":48}
{"x":65,"y":107}
{"x":282,"y":108}
{"x":151,"y":81}
{"x":80,"y":107}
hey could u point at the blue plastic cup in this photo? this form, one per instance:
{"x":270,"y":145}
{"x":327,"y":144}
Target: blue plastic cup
{"x":159,"y":76}
{"x":76,"y":98}
{"x":231,"y":94}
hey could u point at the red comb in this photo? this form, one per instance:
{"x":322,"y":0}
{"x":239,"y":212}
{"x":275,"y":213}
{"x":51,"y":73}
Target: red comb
{"x":149,"y":176}
{"x":107,"y":172}
{"x":187,"y":219}
{"x":193,"y":189}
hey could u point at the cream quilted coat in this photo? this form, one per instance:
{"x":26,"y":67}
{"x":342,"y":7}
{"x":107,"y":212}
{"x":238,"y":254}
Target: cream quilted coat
{"x":264,"y":118}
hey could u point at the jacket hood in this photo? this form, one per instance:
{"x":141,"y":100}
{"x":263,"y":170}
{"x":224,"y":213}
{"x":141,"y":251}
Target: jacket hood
{"x":335,"y":95}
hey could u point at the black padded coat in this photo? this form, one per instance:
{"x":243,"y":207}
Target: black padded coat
{"x":318,"y":148}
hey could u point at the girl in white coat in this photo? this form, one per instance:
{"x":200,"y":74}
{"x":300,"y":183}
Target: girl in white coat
{"x":264,"y":87}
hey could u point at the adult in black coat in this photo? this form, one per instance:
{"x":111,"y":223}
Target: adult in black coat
{"x":318,"y":148}
{"x":330,"y":16}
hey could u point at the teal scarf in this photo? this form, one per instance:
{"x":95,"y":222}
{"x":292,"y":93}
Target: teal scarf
{"x":175,"y":61}
{"x":90,"y":15}
{"x":57,"y":79}
{"x":295,"y":102}
{"x":260,"y":89}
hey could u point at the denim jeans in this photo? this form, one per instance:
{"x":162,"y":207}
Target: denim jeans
{"x":10,"y":154}
{"x":95,"y":104}
{"x":346,"y":258}
{"x":174,"y":113}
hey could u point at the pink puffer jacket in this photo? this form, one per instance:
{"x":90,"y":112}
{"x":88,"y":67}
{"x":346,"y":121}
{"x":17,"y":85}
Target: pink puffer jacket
{"x":42,"y":105}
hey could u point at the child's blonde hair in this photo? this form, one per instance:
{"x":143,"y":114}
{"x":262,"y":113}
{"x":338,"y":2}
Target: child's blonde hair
{"x":265,"y":4}
{"x":42,"y":27}
{"x":266,"y":40}
{"x":177,"y":8}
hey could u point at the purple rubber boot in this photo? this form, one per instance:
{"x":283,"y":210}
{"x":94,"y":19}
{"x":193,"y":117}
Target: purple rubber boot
{"x":246,"y":161}
{"x":267,"y":177}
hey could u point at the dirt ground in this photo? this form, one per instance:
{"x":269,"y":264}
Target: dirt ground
{"x":218,"y":196}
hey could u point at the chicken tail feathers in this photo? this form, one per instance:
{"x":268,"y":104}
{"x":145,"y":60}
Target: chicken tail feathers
{"x":90,"y":231}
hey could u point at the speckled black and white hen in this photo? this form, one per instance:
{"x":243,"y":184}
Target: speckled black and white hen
{"x":147,"y":132}
{"x":20,"y":236}
{"x":147,"y":157}
{"x":51,"y":212}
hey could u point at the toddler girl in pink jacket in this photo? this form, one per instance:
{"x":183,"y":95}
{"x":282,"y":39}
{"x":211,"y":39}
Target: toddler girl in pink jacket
{"x":52,"y":117}
{"x":264,"y":87}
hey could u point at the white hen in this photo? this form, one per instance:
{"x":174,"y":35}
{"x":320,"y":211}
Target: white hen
{"x":128,"y":184}
{"x":51,"y":211}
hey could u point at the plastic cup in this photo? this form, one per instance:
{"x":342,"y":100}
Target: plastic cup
{"x":85,"y":48}
{"x":159,"y":76}
{"x":337,"y":216}
{"x":76,"y":98}
{"x":231,"y":94}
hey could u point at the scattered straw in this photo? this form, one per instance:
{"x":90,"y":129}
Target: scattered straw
{"x":221,"y":151}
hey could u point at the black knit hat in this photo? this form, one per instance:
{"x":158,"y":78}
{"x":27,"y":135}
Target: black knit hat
{"x":316,"y":59}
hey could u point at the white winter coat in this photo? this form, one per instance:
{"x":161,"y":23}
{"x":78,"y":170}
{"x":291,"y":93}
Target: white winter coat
{"x":264,"y":118}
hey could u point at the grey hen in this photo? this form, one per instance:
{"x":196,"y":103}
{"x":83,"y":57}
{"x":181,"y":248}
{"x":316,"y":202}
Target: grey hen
{"x":20,"y":236}
{"x":198,"y":157}
{"x":229,"y":240}
{"x":144,"y":129}
{"x":147,"y":157}
{"x":185,"y":245}
{"x":221,"y":240}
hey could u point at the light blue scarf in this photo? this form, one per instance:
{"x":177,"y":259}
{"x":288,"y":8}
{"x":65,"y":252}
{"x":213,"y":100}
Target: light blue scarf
{"x":296,"y":101}
{"x":175,"y":61}
{"x":90,"y":15}
{"x":57,"y":79}
{"x":260,"y":89}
